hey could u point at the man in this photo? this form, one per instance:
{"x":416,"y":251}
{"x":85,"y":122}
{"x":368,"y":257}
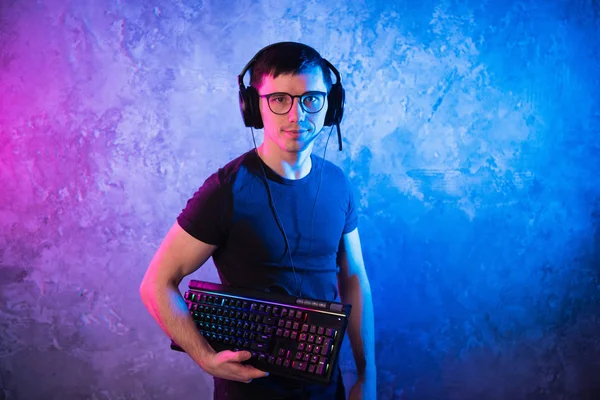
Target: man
{"x":275,"y":218}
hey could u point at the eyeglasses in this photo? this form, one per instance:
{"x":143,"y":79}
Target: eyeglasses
{"x":281,"y":103}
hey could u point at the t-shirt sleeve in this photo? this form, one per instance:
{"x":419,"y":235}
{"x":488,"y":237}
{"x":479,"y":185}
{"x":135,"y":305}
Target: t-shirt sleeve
{"x":206,"y":214}
{"x":351,"y":213}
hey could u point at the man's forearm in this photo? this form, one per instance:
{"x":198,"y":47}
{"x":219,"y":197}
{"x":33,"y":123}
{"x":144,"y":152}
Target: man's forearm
{"x":169,"y":309}
{"x":361,"y":326}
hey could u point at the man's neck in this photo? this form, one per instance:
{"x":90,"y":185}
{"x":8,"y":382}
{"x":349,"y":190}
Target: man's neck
{"x":285,"y":164}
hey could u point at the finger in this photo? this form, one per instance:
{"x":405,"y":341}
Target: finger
{"x":254,"y":373}
{"x":240,"y":356}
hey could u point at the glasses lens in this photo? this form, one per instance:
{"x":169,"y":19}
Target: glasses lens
{"x":280,"y":103}
{"x":313,"y":102}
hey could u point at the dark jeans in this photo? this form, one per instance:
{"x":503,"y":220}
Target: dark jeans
{"x":277,"y":388}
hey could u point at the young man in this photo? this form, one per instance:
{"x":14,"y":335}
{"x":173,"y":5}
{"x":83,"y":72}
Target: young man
{"x":277,"y":218}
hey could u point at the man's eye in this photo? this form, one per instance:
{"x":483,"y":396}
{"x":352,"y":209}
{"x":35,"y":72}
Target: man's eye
{"x":278,"y":99}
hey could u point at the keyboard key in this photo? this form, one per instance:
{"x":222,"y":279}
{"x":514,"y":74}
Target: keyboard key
{"x":299,"y":315}
{"x":321,"y":368}
{"x":259,"y":346}
{"x":304,"y":327}
{"x":263,"y":338}
{"x":319,"y":340}
{"x":299,"y":365}
{"x":320,"y":331}
{"x":301,"y":346}
{"x":295,"y":326}
{"x":294,"y":335}
{"x":312,"y":368}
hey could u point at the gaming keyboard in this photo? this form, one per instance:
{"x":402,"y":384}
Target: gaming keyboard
{"x":288,"y":336}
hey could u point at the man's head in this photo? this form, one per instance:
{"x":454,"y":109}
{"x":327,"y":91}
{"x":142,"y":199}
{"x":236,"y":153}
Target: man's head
{"x":292,"y":81}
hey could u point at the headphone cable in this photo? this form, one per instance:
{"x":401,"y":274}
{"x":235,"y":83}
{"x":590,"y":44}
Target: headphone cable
{"x":312,"y":216}
{"x":275,"y":213}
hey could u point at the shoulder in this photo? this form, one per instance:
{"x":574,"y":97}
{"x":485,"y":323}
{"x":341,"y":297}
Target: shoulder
{"x":241,"y":164}
{"x":228,"y":174}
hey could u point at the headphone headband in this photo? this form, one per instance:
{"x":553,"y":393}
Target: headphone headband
{"x":338,"y":77}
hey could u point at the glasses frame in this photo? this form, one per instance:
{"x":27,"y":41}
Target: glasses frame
{"x":311,"y":93}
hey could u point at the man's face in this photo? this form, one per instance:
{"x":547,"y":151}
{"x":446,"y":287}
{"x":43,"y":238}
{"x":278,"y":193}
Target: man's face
{"x":295,"y":131}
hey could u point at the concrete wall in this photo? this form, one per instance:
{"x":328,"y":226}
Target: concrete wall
{"x":471,"y":136}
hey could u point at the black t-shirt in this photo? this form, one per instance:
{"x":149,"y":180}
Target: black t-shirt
{"x":232,"y":211}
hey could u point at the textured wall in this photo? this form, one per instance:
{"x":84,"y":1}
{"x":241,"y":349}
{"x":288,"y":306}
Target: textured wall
{"x":471,"y":135}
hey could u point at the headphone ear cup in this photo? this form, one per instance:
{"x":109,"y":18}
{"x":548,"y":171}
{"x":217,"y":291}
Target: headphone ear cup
{"x":245,"y":106}
{"x":249,"y":107}
{"x":254,"y":108}
{"x":335,"y":100}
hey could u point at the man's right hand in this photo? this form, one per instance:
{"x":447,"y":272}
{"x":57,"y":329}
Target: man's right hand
{"x":227,"y":364}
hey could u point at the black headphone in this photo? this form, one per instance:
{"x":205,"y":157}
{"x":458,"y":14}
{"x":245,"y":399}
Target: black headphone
{"x":249,"y":98}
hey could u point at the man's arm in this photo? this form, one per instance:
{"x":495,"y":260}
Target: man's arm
{"x":355,"y":289}
{"x":179,"y":255}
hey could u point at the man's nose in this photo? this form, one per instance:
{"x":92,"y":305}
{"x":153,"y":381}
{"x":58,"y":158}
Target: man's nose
{"x":296,"y":112}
